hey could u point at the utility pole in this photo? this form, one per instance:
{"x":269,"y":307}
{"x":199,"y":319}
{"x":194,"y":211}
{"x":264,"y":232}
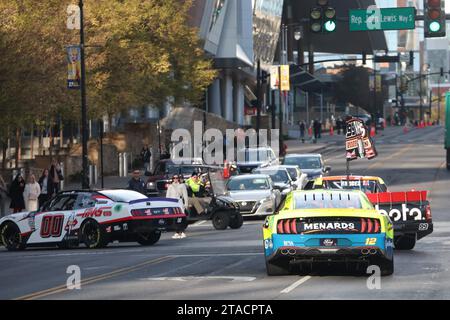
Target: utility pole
{"x":420,"y":96}
{"x":84,"y":126}
{"x":258,"y":97}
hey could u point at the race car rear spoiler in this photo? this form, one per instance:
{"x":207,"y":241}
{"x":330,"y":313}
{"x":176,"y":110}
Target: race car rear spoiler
{"x":398,"y":197}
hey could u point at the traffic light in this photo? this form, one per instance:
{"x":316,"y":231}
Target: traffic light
{"x":322,"y":18}
{"x":329,"y":19}
{"x":315,"y":19}
{"x":434,"y":18}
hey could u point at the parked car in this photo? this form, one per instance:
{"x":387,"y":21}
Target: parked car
{"x":311,"y":164}
{"x":280,"y":176}
{"x":249,"y":159}
{"x":255,"y":194}
{"x":300,"y":179}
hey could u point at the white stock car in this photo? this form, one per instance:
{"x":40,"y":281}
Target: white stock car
{"x":94,"y":218}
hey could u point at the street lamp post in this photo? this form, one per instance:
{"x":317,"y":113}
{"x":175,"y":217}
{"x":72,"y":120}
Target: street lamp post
{"x":84,"y":127}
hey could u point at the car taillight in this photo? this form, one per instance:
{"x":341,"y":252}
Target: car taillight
{"x":140,"y":212}
{"x":428,"y":215}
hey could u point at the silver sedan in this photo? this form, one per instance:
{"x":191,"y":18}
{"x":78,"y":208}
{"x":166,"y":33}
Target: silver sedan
{"x":255,"y":194}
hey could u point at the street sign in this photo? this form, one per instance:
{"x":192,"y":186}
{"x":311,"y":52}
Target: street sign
{"x":373,"y":18}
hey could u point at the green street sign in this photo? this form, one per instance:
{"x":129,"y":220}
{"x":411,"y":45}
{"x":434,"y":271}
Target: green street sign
{"x":372,"y":19}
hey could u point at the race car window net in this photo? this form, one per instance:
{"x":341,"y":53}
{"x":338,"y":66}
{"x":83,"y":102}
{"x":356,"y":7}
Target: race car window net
{"x":327,"y":201}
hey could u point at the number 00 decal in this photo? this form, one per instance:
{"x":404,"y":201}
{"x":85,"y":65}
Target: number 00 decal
{"x":51,"y":226}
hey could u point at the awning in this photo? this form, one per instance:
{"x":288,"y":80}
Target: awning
{"x":304,"y":80}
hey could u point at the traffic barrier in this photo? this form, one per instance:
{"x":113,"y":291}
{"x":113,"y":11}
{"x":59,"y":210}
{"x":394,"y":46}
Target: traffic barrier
{"x":331,"y":131}
{"x":372,"y":131}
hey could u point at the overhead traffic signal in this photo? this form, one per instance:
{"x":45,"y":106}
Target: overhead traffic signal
{"x":322,"y":18}
{"x":434,"y":18}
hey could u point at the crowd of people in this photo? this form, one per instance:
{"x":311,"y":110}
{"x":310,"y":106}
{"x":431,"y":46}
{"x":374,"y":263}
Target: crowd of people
{"x":30,"y":194}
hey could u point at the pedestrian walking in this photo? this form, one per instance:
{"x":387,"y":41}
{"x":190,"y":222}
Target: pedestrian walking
{"x":3,"y":197}
{"x":302,"y":130}
{"x":136,"y":183}
{"x":316,"y":126}
{"x":31,"y":194}
{"x":145,"y":156}
{"x":56,"y":177}
{"x":44,"y":184}
{"x":178,"y":190}
{"x":16,"y":193}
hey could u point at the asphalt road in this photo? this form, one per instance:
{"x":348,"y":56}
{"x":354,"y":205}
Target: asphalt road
{"x":211,"y":264}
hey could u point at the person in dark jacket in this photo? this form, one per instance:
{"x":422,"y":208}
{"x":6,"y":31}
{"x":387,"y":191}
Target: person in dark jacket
{"x":302,"y":130}
{"x":136,"y":183}
{"x":146,"y":156}
{"x":44,"y":183}
{"x":16,"y":193}
{"x":55,"y":175}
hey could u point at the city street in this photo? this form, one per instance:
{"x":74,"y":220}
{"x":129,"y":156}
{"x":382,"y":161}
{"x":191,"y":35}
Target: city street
{"x":211,"y":264}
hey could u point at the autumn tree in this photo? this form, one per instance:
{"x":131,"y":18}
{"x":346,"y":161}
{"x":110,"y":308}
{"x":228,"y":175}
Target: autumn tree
{"x":138,"y":52}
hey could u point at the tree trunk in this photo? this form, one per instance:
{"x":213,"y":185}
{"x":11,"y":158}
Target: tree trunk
{"x":18,"y":146}
{"x":32,"y":142}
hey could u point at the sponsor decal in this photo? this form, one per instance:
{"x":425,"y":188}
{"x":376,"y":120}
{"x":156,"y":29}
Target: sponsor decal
{"x":161,"y":222}
{"x":96,"y":212}
{"x":423,"y":226}
{"x":288,"y":243}
{"x":125,"y":226}
{"x":108,"y":229}
{"x":402,"y":213}
{"x":117,"y":228}
{"x":328,"y":226}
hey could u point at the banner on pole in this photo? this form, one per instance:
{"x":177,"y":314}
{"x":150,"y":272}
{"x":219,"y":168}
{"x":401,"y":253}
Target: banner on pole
{"x":274,"y":78}
{"x":73,"y":67}
{"x":358,"y":143}
{"x":285,"y":81}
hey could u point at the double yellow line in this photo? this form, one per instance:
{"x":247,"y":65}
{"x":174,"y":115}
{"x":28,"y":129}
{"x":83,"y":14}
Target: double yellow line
{"x":63,"y":288}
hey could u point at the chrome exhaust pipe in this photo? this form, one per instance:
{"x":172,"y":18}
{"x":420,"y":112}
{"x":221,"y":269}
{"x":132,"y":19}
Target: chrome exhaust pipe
{"x":284,"y":252}
{"x":292,"y":252}
{"x":365,"y":251}
{"x":373,"y":251}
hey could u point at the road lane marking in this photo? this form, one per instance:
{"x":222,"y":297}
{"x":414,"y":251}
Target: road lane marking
{"x":193,"y":278}
{"x":295,"y":284}
{"x":63,"y":288}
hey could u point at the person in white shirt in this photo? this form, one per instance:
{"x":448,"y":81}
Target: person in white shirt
{"x":31,"y":194}
{"x":178,"y":190}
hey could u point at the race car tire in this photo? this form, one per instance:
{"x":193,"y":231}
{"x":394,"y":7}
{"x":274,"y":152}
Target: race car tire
{"x":11,"y":237}
{"x":221,"y":220}
{"x":237,"y":221}
{"x":92,"y":235}
{"x":386,"y":267}
{"x":276,"y":270}
{"x":149,"y":238}
{"x":406,"y":242}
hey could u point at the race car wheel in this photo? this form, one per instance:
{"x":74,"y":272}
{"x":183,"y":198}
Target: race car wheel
{"x":386,"y":267}
{"x":148,"y":238}
{"x":92,"y":235}
{"x":406,"y":242}
{"x":11,"y":237}
{"x":221,"y":220}
{"x":277,"y":270}
{"x":237,"y":221}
